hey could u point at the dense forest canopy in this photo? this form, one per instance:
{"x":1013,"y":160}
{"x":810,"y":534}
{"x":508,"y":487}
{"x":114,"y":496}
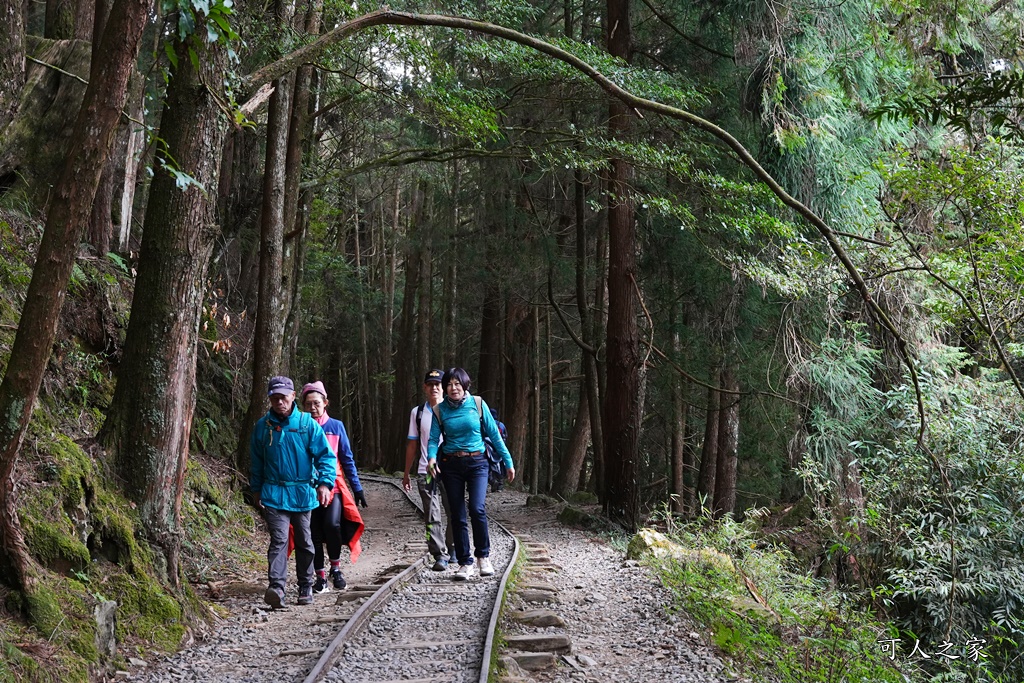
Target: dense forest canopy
{"x":704,"y":258}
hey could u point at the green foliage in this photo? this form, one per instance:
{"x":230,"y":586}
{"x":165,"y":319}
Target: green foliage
{"x":987,"y":104}
{"x":798,"y":632}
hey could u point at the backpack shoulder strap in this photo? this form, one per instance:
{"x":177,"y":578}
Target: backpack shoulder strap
{"x":480,"y":412}
{"x":419,"y":419}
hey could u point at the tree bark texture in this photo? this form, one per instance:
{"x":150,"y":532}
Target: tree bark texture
{"x":152,"y":444}
{"x":709,"y":453}
{"x":268,"y":338}
{"x":12,"y":59}
{"x":519,"y":324}
{"x":295,"y":220}
{"x":567,"y":481}
{"x":60,"y":19}
{"x":66,"y":219}
{"x":621,"y":413}
{"x":489,"y":384}
{"x":728,"y":444}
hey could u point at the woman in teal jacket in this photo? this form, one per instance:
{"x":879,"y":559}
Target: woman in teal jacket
{"x":461,"y":462}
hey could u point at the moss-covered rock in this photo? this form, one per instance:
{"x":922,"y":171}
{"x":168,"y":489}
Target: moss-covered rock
{"x":583,"y":498}
{"x":574,"y":516}
{"x":147,"y":608}
{"x":56,"y":547}
{"x":539,"y":500}
{"x":651,"y":543}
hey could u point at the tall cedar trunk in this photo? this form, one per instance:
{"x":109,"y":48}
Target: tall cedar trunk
{"x":549,"y":364}
{"x":60,"y":19}
{"x":678,"y":489}
{"x":535,"y":422}
{"x":709,"y":454}
{"x":295,"y":218}
{"x":622,"y":407}
{"x":488,"y":383}
{"x":680,"y":497}
{"x":66,"y":221}
{"x":364,"y":394}
{"x":12,"y":59}
{"x":85,"y":19}
{"x":425,"y":349}
{"x":407,"y":374}
{"x":152,"y":445}
{"x":591,"y":385}
{"x":600,"y":324}
{"x":567,"y":481}
{"x":728,"y":443}
{"x":268,"y":337}
{"x":518,"y":323}
{"x":449,"y":331}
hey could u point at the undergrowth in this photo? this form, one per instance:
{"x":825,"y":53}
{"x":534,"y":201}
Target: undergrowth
{"x":775,"y":622}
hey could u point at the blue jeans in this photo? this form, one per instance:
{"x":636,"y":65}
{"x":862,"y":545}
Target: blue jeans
{"x":459,"y":476}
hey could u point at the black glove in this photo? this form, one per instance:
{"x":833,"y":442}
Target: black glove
{"x":360,"y":498}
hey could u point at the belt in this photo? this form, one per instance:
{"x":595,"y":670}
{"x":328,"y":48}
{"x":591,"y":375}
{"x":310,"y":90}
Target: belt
{"x":462,"y":454}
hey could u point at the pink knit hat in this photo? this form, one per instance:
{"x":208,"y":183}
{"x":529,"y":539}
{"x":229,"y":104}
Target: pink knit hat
{"x":317,"y":386}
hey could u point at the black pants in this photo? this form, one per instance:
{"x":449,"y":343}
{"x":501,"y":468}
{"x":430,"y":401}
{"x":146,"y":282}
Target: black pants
{"x":325,"y":526}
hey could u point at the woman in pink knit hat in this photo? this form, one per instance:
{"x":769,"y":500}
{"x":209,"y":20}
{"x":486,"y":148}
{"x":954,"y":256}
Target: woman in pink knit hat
{"x":339,"y":523}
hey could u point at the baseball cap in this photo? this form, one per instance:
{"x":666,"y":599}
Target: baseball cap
{"x":433,"y":377}
{"x":280,"y":385}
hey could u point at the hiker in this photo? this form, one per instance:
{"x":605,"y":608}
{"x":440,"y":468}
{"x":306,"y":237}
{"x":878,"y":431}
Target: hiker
{"x":292,"y":472}
{"x":441,"y":547}
{"x":463,"y":420}
{"x":338,"y":522}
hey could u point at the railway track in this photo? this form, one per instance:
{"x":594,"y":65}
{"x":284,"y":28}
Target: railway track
{"x":420,"y":626}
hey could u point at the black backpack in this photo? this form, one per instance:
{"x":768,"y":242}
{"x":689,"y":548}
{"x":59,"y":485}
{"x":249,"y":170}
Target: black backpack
{"x":495,"y":465}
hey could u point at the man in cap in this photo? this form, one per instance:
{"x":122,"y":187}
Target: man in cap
{"x":292,"y":471}
{"x":431,"y":491}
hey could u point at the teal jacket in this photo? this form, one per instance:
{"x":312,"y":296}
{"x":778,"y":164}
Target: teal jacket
{"x":289,"y":459}
{"x":462,"y":430}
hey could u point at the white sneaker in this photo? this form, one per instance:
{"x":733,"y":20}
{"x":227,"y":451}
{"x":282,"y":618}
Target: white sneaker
{"x":465,"y":571}
{"x":485,"y":566}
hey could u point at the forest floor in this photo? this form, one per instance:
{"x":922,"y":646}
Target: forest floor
{"x":616,"y":611}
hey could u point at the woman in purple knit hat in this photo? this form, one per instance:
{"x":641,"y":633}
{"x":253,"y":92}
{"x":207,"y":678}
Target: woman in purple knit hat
{"x":337,"y":523}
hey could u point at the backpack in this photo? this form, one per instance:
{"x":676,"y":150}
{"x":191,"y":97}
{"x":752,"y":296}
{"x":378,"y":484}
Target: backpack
{"x":495,"y":465}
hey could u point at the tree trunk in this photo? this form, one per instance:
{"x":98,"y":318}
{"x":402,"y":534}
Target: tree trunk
{"x":588,"y":325}
{"x":152,"y":445}
{"x":709,"y":454}
{"x":268,"y":338}
{"x":728,"y":443}
{"x":60,"y":19}
{"x":622,"y":418}
{"x":450,"y":308}
{"x":518,"y":323}
{"x":66,"y":221}
{"x":567,"y":481}
{"x":680,"y":497}
{"x":295,"y":218}
{"x":85,"y":20}
{"x":12,"y":59}
{"x":536,"y":485}
{"x":488,"y":383}
{"x":408,"y":376}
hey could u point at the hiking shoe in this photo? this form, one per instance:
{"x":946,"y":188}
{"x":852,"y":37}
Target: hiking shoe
{"x":440,"y":564}
{"x":485,"y":566}
{"x":305,"y":596}
{"x":465,"y":571}
{"x":273,"y":598}
{"x":321,"y":584}
{"x":337,"y":579}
